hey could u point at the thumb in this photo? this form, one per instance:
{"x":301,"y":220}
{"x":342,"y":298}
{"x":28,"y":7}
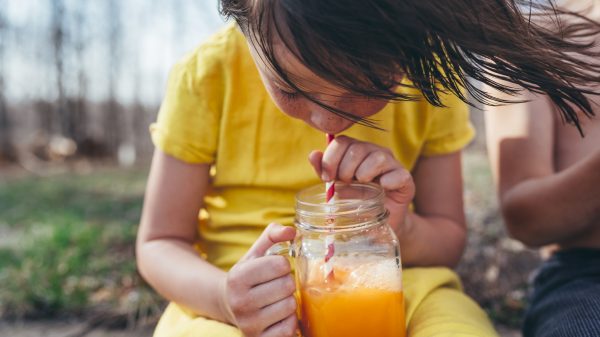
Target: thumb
{"x":316,"y":160}
{"x":274,"y":233}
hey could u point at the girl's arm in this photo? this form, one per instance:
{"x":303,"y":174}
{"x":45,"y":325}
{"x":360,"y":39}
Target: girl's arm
{"x":256,"y":295}
{"x":168,"y":229}
{"x":435,"y":233}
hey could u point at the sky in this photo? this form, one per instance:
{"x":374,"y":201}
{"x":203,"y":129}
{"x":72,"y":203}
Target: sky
{"x":155,"y":34}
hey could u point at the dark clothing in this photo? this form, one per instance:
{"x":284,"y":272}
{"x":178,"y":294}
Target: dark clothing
{"x":566,"y":296}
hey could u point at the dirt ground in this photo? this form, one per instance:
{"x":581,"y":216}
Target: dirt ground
{"x":66,"y":329}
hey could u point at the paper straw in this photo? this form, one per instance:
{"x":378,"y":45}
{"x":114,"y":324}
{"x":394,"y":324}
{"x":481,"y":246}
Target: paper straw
{"x":330,"y":199}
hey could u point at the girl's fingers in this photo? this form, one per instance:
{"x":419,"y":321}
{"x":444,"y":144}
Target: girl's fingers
{"x":278,"y":311}
{"x":260,"y":270}
{"x":347,"y":159}
{"x":315,"y":158}
{"x":400,"y":184}
{"x":397,"y":179}
{"x":333,"y":156}
{"x":284,"y":328}
{"x":352,"y":159}
{"x":377,"y":163}
{"x":273,"y":291}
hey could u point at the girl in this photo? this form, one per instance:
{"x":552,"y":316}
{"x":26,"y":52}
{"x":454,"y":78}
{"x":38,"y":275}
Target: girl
{"x":228,"y":161}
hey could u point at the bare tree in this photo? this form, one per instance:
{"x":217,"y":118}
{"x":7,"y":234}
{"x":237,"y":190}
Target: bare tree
{"x":112,"y":115}
{"x":139,"y":111}
{"x":77,"y":124}
{"x":7,"y":150}
{"x":58,"y":44}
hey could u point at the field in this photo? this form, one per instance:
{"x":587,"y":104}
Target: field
{"x":67,"y":253}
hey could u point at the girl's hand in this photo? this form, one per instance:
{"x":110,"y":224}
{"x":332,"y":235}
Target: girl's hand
{"x":258,"y":294}
{"x":347,"y":159}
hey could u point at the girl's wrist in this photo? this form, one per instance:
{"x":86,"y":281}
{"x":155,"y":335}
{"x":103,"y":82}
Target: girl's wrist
{"x":408,"y":223}
{"x":401,"y":223}
{"x":405,"y":229}
{"x":223,"y":303}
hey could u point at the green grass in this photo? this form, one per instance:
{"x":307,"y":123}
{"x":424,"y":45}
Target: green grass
{"x":99,"y":197}
{"x":68,"y":244}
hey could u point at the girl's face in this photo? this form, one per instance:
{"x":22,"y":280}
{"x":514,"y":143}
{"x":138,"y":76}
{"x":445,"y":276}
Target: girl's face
{"x":298,"y":106}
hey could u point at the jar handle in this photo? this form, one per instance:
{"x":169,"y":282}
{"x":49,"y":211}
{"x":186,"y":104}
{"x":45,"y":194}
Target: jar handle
{"x":287,"y":249}
{"x":282,"y":248}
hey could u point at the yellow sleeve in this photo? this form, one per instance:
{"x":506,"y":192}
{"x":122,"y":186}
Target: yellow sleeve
{"x":187,"y":126}
{"x":450,"y":129}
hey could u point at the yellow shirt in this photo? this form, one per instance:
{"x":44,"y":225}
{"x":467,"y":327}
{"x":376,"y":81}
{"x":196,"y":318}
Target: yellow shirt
{"x":216,"y":110}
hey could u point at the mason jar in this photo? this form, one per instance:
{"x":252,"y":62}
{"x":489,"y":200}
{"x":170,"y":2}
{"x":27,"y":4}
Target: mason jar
{"x":347,"y":264}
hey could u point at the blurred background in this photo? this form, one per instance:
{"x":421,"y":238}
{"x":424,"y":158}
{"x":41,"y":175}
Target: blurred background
{"x":80,"y":82}
{"x":84,"y":78}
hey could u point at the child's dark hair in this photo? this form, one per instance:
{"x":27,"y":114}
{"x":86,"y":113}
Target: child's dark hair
{"x":360,"y":45}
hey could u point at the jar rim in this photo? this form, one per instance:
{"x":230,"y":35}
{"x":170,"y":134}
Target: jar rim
{"x":355,"y":206}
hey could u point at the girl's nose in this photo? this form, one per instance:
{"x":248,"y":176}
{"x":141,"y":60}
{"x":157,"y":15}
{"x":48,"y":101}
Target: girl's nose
{"x":325,"y":119}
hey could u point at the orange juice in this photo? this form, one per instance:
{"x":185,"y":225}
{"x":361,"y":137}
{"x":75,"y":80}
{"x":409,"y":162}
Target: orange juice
{"x":360,"y":301}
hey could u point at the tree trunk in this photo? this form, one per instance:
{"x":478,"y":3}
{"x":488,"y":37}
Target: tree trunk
{"x":61,"y":125}
{"x":7,"y":149}
{"x":78,"y":121}
{"x":112,"y":116}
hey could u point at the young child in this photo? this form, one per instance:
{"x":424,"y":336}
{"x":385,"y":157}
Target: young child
{"x":549,"y":184}
{"x":548,"y":178}
{"x":229,"y":161}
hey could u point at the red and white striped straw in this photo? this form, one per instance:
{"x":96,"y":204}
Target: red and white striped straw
{"x":330,"y":185}
{"x":330,"y":194}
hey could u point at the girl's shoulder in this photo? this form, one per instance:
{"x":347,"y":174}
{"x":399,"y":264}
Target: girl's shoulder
{"x":222,"y":56}
{"x":225,"y":40}
{"x":220,"y":48}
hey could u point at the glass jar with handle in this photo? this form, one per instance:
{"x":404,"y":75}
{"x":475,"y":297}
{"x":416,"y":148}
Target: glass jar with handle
{"x":347,"y":264}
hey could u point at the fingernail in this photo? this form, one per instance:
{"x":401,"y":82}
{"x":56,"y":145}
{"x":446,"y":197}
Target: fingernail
{"x":325,"y":176}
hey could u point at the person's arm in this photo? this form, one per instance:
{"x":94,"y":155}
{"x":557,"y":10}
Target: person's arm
{"x":256,"y":295}
{"x":540,"y":206}
{"x":436,"y":234}
{"x":165,"y":254}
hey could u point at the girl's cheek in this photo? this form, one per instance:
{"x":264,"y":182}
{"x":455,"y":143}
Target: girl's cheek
{"x":370,"y":107}
{"x":292,"y":108}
